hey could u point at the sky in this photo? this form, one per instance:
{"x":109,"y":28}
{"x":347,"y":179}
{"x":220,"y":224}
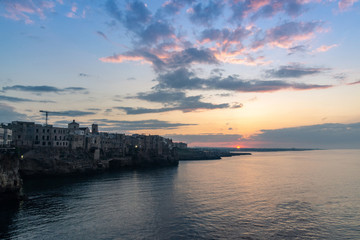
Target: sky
{"x":248,"y":73}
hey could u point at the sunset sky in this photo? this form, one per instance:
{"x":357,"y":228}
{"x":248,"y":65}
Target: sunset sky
{"x":249,"y":73}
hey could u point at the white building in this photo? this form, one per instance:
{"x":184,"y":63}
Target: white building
{"x":5,"y":136}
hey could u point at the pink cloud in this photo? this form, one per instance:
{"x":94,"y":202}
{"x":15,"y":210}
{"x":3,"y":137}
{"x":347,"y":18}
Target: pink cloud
{"x":121,"y":58}
{"x":353,"y":83}
{"x":22,"y":10}
{"x":346,"y":4}
{"x":325,"y":48}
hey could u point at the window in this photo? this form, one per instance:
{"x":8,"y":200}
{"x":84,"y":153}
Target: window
{"x":54,"y":130}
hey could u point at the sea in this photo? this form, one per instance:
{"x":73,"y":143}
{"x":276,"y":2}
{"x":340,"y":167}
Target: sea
{"x":267,"y":195}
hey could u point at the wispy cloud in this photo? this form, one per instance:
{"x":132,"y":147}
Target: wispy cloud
{"x":25,"y":10}
{"x":16,"y":99}
{"x":294,"y":71}
{"x":346,"y":4}
{"x":72,"y":113}
{"x":187,"y":80}
{"x":354,"y":83}
{"x":325,"y":48}
{"x":174,"y":101}
{"x":287,"y":35}
{"x":149,"y":124}
{"x":84,"y":75}
{"x":44,"y":89}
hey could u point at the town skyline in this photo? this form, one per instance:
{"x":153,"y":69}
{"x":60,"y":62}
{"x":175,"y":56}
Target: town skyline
{"x":210,"y":73}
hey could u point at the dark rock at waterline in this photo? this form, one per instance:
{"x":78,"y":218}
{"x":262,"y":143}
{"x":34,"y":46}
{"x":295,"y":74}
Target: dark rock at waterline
{"x":10,"y":180}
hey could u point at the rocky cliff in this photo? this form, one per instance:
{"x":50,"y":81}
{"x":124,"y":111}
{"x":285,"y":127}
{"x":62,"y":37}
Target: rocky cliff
{"x":39,"y":162}
{"x":10,"y":181}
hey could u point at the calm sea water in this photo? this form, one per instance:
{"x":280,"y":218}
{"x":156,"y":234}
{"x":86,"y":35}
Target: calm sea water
{"x":277,"y":195}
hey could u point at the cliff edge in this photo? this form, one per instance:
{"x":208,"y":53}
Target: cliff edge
{"x":10,"y":180}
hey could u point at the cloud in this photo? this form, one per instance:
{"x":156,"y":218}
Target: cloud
{"x":43,"y":89}
{"x":325,"y":48}
{"x":206,"y":14}
{"x":171,"y":7}
{"x":169,"y":61}
{"x":155,"y":32}
{"x":115,"y":125}
{"x":297,"y":49}
{"x":346,"y":4}
{"x":293,"y":71}
{"x":101,"y":34}
{"x":287,"y":34}
{"x":8,"y":114}
{"x":113,"y":10}
{"x":71,"y":113}
{"x":16,"y":99}
{"x":137,"y":15}
{"x":186,"y":80}
{"x":84,"y":75}
{"x":24,"y":10}
{"x":329,"y":135}
{"x":174,"y":101}
{"x":158,"y":40}
{"x":255,"y":10}
{"x":354,"y":83}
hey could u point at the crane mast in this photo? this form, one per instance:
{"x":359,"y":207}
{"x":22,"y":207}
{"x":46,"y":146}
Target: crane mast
{"x":46,"y":116}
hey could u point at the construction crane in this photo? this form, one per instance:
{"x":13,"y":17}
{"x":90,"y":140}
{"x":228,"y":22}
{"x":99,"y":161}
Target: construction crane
{"x":46,"y":116}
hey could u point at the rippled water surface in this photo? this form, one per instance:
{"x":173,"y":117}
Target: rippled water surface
{"x":277,"y":195}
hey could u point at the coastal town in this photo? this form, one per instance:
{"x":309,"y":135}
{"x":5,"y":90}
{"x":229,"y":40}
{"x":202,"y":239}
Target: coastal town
{"x":31,"y":150}
{"x":30,"y":134}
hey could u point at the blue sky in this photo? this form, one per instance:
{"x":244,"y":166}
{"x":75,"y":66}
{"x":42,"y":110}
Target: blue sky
{"x":212,"y":73}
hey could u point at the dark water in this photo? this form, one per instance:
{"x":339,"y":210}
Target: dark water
{"x":284,"y":195}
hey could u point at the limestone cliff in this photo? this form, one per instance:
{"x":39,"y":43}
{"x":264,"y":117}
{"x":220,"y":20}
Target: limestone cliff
{"x":56,"y":161}
{"x":48,"y":161}
{"x":10,"y":181}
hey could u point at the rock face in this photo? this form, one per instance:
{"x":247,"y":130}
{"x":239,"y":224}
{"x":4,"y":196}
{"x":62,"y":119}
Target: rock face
{"x":145,"y":160}
{"x":39,"y":162}
{"x":10,"y":181}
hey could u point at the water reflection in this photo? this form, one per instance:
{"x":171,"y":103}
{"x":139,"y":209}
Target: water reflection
{"x":311,"y":195}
